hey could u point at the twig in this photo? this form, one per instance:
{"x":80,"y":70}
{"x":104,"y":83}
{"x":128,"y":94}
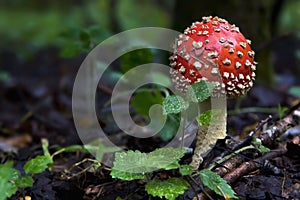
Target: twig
{"x":250,"y":166}
{"x":248,"y":139}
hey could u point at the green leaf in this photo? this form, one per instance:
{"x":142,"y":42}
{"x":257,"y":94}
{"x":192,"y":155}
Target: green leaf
{"x":134,"y":164}
{"x":174,"y":104}
{"x":37,"y":164}
{"x":216,"y":183}
{"x":98,"y":148}
{"x":170,"y":127}
{"x":8,"y":176}
{"x":208,"y":117}
{"x":25,"y":181}
{"x":186,"y":169}
{"x":136,"y":58}
{"x":143,"y":101}
{"x":120,"y":174}
{"x":71,"y":50}
{"x":85,"y":38}
{"x":200,"y":91}
{"x":170,"y":188}
{"x":130,"y":165}
{"x":166,"y":158}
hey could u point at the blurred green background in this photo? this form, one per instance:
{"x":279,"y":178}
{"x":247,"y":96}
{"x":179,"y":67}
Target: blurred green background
{"x":75,"y":26}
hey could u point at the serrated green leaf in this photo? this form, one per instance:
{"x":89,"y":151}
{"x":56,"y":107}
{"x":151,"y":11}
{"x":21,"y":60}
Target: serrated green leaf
{"x":120,"y":174}
{"x":208,"y":117}
{"x":200,"y":91}
{"x":37,"y":164}
{"x":216,"y":183}
{"x":174,"y":104}
{"x":143,"y":101}
{"x":25,"y":181}
{"x":186,"y":169}
{"x":8,"y":175}
{"x":166,"y":158}
{"x":170,"y":189}
{"x":11,"y":190}
{"x":134,"y":164}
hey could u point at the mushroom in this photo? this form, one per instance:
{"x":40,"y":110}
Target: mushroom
{"x":215,"y":51}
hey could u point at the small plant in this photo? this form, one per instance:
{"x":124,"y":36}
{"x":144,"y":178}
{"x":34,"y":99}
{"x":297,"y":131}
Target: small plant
{"x":142,"y":165}
{"x":281,"y":111}
{"x":11,"y":179}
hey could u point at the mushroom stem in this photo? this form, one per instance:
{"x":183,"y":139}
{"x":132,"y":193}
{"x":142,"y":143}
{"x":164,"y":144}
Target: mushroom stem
{"x":208,"y":134}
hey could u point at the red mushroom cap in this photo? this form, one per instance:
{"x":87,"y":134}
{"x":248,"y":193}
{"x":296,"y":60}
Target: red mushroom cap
{"x":215,"y":51}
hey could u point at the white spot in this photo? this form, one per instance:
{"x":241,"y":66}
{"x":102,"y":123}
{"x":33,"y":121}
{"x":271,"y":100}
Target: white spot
{"x":187,"y":57}
{"x":241,"y":86}
{"x":230,"y":42}
{"x":214,"y":70}
{"x":248,"y":63}
{"x":199,"y":33}
{"x":226,"y":27}
{"x":251,"y":54}
{"x":226,"y":61}
{"x":248,"y":78}
{"x":253,"y":67}
{"x":250,"y":83}
{"x":214,"y":23}
{"x":235,"y":29}
{"x":241,"y":76}
{"x":197,"y":65}
{"x":238,"y":65}
{"x":182,"y":69}
{"x":240,"y":54}
{"x":212,"y":54}
{"x":173,"y":64}
{"x":232,"y":75}
{"x":205,"y":33}
{"x":192,"y":72}
{"x":197,"y":45}
{"x":226,"y":75}
{"x":179,"y":42}
{"x":248,"y":41}
{"x":243,"y":45}
{"x":222,"y":40}
{"x":181,"y":53}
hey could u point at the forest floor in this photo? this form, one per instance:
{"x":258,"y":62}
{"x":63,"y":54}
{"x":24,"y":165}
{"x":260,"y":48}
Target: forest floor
{"x":36,"y":103}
